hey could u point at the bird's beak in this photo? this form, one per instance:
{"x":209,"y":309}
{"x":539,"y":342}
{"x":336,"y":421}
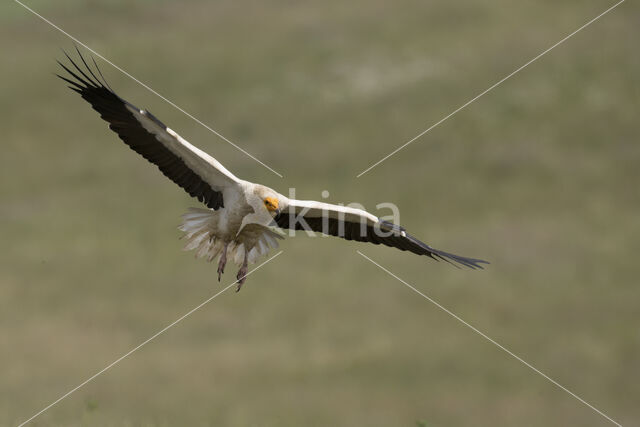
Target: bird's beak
{"x":277,"y":212}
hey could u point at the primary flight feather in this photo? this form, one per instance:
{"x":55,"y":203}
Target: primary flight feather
{"x":243,"y":219}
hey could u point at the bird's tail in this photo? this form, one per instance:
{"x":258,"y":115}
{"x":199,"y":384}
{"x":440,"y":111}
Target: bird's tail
{"x":200,"y":233}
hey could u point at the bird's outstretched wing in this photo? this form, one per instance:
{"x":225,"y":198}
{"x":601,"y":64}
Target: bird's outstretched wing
{"x":199,"y":174}
{"x":357,"y":224}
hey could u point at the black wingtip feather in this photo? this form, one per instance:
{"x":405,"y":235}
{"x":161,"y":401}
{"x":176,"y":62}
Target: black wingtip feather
{"x":74,"y":75}
{"x":76,"y":84}
{"x":87,"y":66}
{"x":89,"y":80}
{"x":472,"y":263}
{"x":100,"y":72}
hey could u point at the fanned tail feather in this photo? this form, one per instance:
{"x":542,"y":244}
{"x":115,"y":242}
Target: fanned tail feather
{"x":198,"y":225}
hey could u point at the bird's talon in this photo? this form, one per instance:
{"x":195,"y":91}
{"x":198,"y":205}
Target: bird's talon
{"x":242,"y":274}
{"x":222,"y":262}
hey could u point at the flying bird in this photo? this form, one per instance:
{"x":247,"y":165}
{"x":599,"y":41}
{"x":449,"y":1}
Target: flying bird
{"x":242,"y":220}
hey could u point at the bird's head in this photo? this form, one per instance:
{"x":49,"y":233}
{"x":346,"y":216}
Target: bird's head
{"x":266,"y":205}
{"x":272,"y":204}
{"x":269,"y":201}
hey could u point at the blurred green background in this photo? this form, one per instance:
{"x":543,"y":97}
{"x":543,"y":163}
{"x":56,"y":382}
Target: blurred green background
{"x":540,"y":177}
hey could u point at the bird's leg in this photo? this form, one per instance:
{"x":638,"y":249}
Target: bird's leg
{"x":223,"y":260}
{"x":242,"y":273}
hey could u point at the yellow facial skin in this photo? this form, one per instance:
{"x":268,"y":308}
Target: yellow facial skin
{"x":271,"y":204}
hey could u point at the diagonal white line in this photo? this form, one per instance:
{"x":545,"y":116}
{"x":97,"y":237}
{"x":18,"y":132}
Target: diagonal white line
{"x":145,"y":86}
{"x":508,"y":76}
{"x":160,"y":332}
{"x":491,"y":340}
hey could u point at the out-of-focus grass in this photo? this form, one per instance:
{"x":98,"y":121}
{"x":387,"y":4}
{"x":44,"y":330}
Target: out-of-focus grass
{"x":539,"y":176}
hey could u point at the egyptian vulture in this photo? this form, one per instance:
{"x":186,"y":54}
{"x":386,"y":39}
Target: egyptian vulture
{"x":243,"y":220}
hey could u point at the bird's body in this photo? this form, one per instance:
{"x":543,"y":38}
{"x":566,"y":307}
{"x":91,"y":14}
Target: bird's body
{"x":211,"y":233}
{"x":243,"y":220}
